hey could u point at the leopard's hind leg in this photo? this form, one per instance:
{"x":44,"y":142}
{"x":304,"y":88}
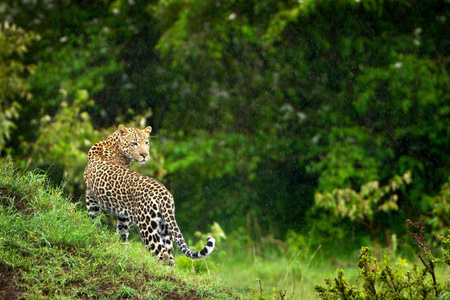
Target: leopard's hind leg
{"x":167,"y":240}
{"x":148,"y":229}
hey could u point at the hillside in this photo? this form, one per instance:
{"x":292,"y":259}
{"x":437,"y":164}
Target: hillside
{"x":49,"y":248}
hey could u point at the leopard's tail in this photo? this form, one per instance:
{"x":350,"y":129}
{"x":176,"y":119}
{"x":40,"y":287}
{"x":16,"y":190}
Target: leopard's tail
{"x":178,"y":237}
{"x":207,"y":250}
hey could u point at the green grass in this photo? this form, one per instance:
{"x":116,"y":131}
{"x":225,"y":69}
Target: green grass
{"x":49,"y":249}
{"x":279,"y":276}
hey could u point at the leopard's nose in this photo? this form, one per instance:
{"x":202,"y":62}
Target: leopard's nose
{"x":144,"y":155}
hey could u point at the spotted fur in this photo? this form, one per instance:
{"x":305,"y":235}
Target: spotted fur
{"x":134,"y":198}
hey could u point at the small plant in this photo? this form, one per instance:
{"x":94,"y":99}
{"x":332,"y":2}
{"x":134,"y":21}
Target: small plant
{"x":387,"y":281}
{"x":338,"y":289}
{"x":361,"y":207}
{"x":277,"y":294}
{"x":203,"y":266}
{"x":126,"y":292}
{"x":425,"y":255}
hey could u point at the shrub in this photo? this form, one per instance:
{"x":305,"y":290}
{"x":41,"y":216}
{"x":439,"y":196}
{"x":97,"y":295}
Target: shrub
{"x":391,"y":282}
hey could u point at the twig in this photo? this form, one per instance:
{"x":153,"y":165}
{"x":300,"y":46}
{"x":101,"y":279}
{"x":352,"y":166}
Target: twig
{"x":260,"y":287}
{"x":307,"y":265}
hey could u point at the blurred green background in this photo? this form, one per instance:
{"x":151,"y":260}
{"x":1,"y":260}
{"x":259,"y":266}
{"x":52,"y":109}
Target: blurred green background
{"x":292,"y":124}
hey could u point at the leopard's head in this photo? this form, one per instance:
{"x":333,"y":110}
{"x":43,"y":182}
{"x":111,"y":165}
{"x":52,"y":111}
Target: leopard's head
{"x":134,"y":143}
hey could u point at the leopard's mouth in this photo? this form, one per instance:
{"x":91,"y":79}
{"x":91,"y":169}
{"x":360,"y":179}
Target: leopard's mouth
{"x":143,"y":161}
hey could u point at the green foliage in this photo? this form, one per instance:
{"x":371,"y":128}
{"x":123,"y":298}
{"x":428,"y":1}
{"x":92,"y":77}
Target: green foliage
{"x":14,"y":43}
{"x":362,"y":207}
{"x":79,"y":64}
{"x":335,"y":111}
{"x":216,"y":232}
{"x":65,"y":139}
{"x":439,"y":209}
{"x":256,"y":105}
{"x":348,"y":163}
{"x":405,"y":102}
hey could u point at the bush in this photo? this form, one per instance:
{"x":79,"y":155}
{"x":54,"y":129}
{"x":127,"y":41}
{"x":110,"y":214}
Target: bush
{"x":392,"y":282}
{"x":13,"y":72}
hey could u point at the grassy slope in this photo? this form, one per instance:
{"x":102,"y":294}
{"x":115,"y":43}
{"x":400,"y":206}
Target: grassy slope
{"x":49,"y":248}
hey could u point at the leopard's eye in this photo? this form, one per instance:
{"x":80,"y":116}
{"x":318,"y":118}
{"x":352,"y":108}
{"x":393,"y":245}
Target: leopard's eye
{"x":134,"y":144}
{"x":146,"y":142}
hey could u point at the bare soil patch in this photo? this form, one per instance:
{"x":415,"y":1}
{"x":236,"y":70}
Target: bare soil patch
{"x":13,"y":200}
{"x":8,"y":289}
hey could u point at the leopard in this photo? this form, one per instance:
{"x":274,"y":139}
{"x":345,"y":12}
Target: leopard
{"x":136,"y":199}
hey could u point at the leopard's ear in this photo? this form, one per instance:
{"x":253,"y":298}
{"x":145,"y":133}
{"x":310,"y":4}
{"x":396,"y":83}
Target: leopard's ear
{"x":123,"y":130}
{"x":148,"y":129}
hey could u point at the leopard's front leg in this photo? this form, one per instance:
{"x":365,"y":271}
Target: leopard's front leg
{"x":93,"y":207}
{"x":123,"y":226}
